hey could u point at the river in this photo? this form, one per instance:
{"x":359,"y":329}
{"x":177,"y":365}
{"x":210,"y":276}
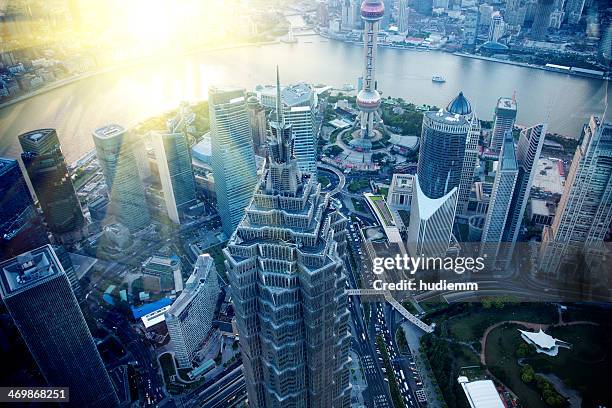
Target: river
{"x":129,"y":95}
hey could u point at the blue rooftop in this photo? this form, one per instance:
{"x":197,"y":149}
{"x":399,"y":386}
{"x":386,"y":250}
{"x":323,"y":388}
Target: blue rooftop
{"x":460,"y":105}
{"x":138,"y":312}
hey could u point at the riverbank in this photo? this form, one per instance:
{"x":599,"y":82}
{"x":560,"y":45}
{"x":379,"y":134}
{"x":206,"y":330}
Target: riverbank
{"x":76,"y":78}
{"x":556,"y":70}
{"x":526,"y":65}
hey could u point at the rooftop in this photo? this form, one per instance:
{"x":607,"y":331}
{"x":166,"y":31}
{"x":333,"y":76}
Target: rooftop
{"x":205,"y":265}
{"x":28,"y":269}
{"x":109,"y":131}
{"x":37,"y":135}
{"x":481,"y":394}
{"x":506,"y":103}
{"x":6,"y":164}
{"x":460,"y":105}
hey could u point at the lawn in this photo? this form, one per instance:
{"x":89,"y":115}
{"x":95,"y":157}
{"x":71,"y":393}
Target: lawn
{"x":324,"y":181}
{"x":471,"y":325}
{"x":502,"y":362}
{"x":358,"y":185}
{"x":358,"y":205}
{"x":586,"y":367}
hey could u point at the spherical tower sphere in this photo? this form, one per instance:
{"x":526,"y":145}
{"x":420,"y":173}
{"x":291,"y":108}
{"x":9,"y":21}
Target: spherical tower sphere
{"x":372,"y":10}
{"x":368,"y":101}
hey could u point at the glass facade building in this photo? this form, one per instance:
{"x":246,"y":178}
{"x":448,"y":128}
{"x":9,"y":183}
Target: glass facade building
{"x":48,"y":173}
{"x":115,"y":149}
{"x":39,"y":299}
{"x":233,"y":159}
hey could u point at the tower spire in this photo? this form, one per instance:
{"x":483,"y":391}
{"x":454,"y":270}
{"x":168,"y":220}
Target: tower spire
{"x":279,"y":103}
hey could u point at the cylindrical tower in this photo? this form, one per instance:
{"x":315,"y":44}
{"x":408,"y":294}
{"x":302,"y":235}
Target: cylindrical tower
{"x":368,"y":99}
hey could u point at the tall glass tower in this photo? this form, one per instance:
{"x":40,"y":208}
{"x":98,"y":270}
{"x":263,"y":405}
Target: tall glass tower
{"x":38,"y":296}
{"x":48,"y":173}
{"x":175,"y":171}
{"x":233,"y":159}
{"x":442,"y":147}
{"x":501,"y":197}
{"x":288,"y":285}
{"x":20,"y":227}
{"x":116,"y":152}
{"x":584,"y":213}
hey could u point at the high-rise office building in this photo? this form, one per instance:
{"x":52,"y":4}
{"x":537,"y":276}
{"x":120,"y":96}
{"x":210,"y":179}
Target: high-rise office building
{"x":189,"y":319}
{"x":496,"y":29}
{"x":368,"y":98}
{"x":288,"y":286}
{"x":20,"y":227}
{"x":45,"y":165}
{"x":573,"y":10}
{"x":515,"y":12}
{"x":115,"y":149}
{"x":486,"y":11}
{"x":431,"y":222}
{"x":442,"y":150}
{"x":528,"y":152}
{"x":470,"y":26}
{"x":233,"y":160}
{"x":346,"y":22}
{"x":541,"y":19}
{"x":299,"y":104}
{"x":399,"y":195}
{"x":556,"y":18}
{"x":584,"y":213}
{"x":505,"y":116}
{"x":39,"y":299}
{"x":259,"y":125}
{"x":422,"y":6}
{"x":499,"y":203}
{"x":403,"y":15}
{"x":175,"y":172}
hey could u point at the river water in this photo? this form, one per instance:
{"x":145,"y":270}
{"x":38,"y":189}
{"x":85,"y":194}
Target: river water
{"x":129,"y":95}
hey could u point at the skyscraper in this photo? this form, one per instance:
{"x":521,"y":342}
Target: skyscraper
{"x":175,"y":171}
{"x":442,"y":147}
{"x":584,"y":213}
{"x":528,"y":152}
{"x":505,"y":115}
{"x":288,"y":285}
{"x":470,"y":26}
{"x":496,"y":29}
{"x":258,"y":123}
{"x":299,"y":104}
{"x":189,"y":319}
{"x":233,"y":160}
{"x":48,"y":173}
{"x":431,"y":222}
{"x":541,"y":19}
{"x":346,"y":22}
{"x":115,"y":149}
{"x":403,"y":15}
{"x":499,"y":204}
{"x":368,"y":98}
{"x":20,"y":227}
{"x":39,"y":299}
{"x":573,"y":10}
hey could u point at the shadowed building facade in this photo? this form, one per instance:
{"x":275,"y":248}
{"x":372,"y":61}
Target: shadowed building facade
{"x":46,"y":168}
{"x":20,"y":227}
{"x":38,"y":296}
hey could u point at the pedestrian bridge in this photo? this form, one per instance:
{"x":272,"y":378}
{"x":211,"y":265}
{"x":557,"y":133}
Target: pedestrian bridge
{"x":396,"y":305}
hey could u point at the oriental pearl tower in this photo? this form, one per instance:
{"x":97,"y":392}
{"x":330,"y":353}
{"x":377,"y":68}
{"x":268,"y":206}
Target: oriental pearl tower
{"x":368,"y":99}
